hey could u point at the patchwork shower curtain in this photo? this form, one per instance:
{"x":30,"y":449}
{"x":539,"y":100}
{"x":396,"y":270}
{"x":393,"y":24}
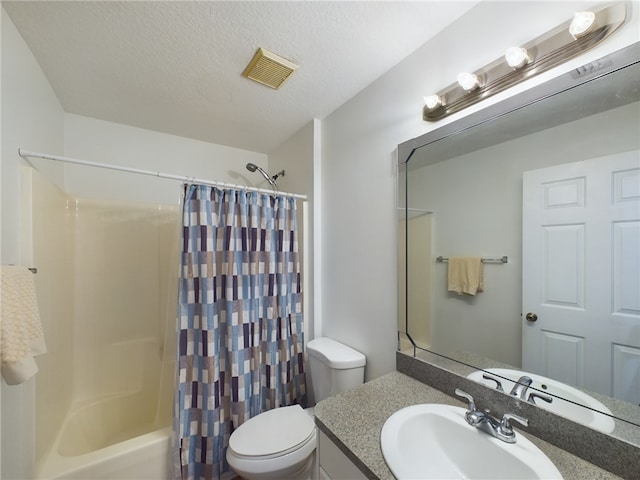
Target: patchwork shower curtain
{"x":240,"y":338}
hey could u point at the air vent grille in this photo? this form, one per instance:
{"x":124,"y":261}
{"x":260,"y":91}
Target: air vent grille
{"x":269,"y":69}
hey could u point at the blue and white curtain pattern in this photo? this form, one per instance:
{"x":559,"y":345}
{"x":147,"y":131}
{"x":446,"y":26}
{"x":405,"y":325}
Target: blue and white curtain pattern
{"x":240,"y":338}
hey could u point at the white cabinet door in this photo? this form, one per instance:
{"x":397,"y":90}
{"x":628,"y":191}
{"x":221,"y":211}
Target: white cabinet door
{"x":581,"y":274}
{"x":335,"y":465}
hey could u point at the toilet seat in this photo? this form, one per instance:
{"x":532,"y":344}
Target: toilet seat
{"x":273,"y":434}
{"x":274,"y":445}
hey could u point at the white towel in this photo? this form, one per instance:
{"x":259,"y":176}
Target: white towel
{"x":21,"y":335}
{"x":465,"y":275}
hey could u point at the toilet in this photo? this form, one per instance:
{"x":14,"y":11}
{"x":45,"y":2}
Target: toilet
{"x":281,"y":443}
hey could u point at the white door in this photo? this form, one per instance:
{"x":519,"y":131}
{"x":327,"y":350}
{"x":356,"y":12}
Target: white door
{"x":581,"y":274}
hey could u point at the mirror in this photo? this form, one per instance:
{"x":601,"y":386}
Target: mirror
{"x":461,"y":190}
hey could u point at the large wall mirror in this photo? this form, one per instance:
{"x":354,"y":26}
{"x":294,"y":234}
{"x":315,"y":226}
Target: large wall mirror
{"x":550,"y":180}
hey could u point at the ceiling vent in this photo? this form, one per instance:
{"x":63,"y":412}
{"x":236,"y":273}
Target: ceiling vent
{"x":269,"y":69}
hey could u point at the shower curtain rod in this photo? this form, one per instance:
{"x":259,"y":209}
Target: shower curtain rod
{"x":25,"y":153}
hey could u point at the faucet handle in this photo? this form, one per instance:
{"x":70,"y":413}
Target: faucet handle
{"x":505,"y":425}
{"x":493,"y":379}
{"x":472,"y":403}
{"x":541,"y":396}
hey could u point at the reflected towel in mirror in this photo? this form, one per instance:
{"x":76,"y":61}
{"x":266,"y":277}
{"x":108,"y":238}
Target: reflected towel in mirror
{"x":465,"y":275}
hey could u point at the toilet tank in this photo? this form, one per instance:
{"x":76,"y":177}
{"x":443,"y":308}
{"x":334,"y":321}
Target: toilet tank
{"x":333,"y":367}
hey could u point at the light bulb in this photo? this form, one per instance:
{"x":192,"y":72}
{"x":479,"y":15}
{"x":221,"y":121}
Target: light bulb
{"x":517,"y":57}
{"x":433,"y":101}
{"x":582,"y":23}
{"x":468,"y":81}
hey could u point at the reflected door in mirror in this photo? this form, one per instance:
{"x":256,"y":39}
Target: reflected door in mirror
{"x":581,"y":274}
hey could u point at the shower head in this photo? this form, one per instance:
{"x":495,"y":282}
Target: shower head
{"x":252,"y":167}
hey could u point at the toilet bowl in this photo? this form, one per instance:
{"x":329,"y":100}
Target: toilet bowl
{"x":278,"y":443}
{"x":281,"y":443}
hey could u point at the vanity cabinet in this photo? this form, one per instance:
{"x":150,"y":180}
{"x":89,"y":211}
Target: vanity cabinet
{"x":335,"y":465}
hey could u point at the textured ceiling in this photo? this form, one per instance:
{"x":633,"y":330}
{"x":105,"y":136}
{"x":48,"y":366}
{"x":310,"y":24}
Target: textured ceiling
{"x":176,"y":67}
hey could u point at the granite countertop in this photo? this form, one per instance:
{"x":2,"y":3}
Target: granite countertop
{"x":353,"y":420}
{"x":460,"y":363}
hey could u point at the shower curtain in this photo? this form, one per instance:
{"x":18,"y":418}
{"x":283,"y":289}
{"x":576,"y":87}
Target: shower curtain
{"x":240,"y":338}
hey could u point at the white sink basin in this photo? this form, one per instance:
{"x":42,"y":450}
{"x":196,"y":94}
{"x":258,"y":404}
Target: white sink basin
{"x":559,"y":406}
{"x":433,"y":441}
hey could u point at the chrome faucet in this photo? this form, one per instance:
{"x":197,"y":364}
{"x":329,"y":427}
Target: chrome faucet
{"x":502,"y":430}
{"x":520,"y":388}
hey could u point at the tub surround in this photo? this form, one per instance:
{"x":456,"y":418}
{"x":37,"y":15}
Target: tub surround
{"x":353,"y":420}
{"x":107,"y":379}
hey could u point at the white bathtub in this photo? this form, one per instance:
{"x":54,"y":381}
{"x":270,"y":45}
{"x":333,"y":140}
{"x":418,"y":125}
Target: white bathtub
{"x":144,"y":457}
{"x":109,"y":439}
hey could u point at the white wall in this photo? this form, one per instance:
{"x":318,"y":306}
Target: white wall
{"x":296,"y":158}
{"x":31,"y":118}
{"x":100,"y":141}
{"x":359,"y":297}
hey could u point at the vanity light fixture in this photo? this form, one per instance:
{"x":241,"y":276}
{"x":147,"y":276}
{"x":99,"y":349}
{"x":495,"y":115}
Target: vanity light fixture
{"x":566,"y":41}
{"x":468,"y":81}
{"x":582,"y":24}
{"x":432,"y":102}
{"x":517,"y":57}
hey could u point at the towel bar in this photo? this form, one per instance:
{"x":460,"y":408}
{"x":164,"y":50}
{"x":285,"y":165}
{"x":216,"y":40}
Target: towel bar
{"x":31,"y":269}
{"x":503,"y":259}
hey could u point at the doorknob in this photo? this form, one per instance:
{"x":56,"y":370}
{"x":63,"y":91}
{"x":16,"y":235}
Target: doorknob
{"x":531,"y":317}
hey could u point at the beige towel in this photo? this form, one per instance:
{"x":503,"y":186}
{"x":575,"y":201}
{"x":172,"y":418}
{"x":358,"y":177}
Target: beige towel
{"x":466,"y":275}
{"x":21,"y":336}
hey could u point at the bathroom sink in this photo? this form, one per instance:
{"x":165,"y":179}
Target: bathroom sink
{"x":434,"y":441}
{"x":564,"y":406}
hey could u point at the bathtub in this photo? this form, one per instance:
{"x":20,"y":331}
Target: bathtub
{"x":110,"y":440}
{"x":109,"y":289}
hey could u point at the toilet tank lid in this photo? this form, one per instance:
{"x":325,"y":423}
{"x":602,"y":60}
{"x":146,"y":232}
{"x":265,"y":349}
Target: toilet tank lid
{"x":335,"y":354}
